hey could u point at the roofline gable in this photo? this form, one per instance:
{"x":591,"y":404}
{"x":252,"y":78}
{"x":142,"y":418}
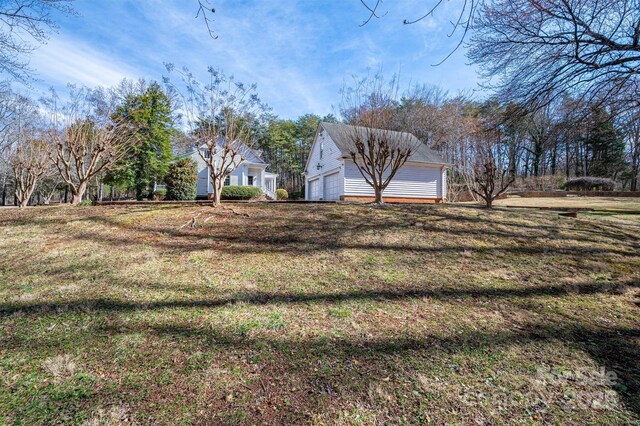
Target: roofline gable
{"x":313,"y":145}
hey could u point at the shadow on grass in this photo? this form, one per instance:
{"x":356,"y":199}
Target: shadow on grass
{"x":327,"y":233}
{"x":615,"y":348}
{"x":264,"y":298}
{"x":357,"y":363}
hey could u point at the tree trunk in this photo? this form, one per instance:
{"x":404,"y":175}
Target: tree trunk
{"x":216,"y":184}
{"x":635,"y":168}
{"x":100,"y":189}
{"x":23,"y":196}
{"x":77,"y":193}
{"x":567,"y":160}
{"x":489,"y":202}
{"x":378,"y":196}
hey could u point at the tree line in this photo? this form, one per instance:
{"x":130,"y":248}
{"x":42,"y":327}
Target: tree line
{"x":119,"y":142}
{"x":565,"y":104}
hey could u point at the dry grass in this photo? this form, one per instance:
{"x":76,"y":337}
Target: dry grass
{"x":320,"y":314}
{"x":620,"y":204}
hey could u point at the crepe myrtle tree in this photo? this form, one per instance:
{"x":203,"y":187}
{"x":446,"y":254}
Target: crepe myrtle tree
{"x":490,"y":181}
{"x":377,"y":150}
{"x":225,"y":119}
{"x":25,"y":152}
{"x":30,"y":162}
{"x":87,"y":137}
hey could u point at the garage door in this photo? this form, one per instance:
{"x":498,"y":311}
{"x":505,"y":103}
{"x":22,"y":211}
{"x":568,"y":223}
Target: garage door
{"x":332,"y":186}
{"x":313,"y":189}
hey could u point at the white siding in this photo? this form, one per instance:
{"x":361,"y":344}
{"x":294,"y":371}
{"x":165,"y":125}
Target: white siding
{"x":237,"y":177}
{"x":412,"y":180}
{"x":330,"y":163}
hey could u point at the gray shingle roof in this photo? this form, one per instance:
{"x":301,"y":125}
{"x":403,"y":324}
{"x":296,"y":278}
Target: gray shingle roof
{"x":251,"y":155}
{"x":341,"y":135}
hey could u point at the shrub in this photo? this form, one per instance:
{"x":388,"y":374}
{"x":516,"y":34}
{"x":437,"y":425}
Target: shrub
{"x":539,"y":183}
{"x":588,"y":183}
{"x":297,"y":195}
{"x":160,"y":194}
{"x":282,"y":194}
{"x":240,"y":192}
{"x":181,"y":180}
{"x":86,"y":203}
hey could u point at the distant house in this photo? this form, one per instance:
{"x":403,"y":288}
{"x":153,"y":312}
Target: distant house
{"x":330,"y":174}
{"x":251,"y":172}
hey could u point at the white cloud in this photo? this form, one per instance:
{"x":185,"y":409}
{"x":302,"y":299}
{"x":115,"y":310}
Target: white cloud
{"x":298,"y":52}
{"x":65,"y":60}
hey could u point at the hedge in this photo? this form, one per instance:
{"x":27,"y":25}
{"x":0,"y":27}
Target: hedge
{"x":240,"y":192}
{"x":160,"y":194}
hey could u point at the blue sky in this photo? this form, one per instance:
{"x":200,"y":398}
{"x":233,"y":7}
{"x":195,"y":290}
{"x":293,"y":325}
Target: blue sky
{"x":299,"y":52}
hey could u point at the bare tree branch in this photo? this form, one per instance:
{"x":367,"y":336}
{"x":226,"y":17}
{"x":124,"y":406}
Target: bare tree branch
{"x":224,"y":117}
{"x":87,"y":137}
{"x":205,"y":10}
{"x":25,"y":25}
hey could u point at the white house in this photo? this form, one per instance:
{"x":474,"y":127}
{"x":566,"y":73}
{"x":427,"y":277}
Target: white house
{"x":330,"y":174}
{"x":250,"y":172}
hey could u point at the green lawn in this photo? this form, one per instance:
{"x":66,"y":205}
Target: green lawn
{"x":318,"y":314}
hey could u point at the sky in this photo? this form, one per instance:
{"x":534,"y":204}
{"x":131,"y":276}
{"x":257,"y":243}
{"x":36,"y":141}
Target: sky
{"x":300,"y":53}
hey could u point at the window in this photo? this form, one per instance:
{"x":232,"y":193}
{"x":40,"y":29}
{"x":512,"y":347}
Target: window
{"x":206,"y":153}
{"x":227,"y":181}
{"x":250,"y":180}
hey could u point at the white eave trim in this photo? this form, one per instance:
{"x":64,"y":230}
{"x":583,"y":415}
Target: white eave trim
{"x":250,"y":163}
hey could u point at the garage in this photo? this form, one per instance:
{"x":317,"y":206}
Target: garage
{"x":313,"y":189}
{"x":332,"y":186}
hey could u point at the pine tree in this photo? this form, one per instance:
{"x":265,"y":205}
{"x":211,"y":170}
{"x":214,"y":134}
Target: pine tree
{"x":604,"y":145}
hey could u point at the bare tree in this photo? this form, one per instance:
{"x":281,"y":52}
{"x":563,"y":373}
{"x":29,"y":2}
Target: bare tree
{"x":50,"y":184}
{"x":23,"y":150}
{"x":545,"y":49}
{"x":87,"y":137}
{"x":378,"y":151}
{"x":24,"y":25}
{"x":536,"y":51}
{"x":490,"y":181}
{"x":224,"y":117}
{"x":10,"y":106}
{"x":30,"y":161}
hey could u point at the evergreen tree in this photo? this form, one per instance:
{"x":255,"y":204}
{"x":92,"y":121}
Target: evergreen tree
{"x":604,"y":146}
{"x":147,"y":164}
{"x":181,"y":179}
